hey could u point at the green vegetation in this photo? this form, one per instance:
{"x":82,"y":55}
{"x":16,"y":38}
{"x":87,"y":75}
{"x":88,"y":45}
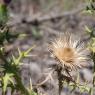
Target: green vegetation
{"x":10,"y":65}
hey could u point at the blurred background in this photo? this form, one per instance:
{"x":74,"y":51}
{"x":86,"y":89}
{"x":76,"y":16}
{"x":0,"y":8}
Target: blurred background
{"x":40,"y":21}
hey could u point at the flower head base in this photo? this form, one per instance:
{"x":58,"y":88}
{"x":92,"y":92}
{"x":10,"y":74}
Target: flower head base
{"x":70,"y":51}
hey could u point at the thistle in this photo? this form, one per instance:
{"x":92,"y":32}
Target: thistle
{"x":70,"y":50}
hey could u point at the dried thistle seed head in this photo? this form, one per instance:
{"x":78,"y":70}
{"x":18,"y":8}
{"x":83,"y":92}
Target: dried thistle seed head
{"x":70,"y":51}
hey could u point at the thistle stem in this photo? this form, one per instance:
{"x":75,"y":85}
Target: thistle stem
{"x":94,"y":70}
{"x":60,"y":78}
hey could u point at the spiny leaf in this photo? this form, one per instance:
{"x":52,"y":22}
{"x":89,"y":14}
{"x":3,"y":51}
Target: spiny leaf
{"x":19,"y":51}
{"x":91,"y":91}
{"x":6,"y":79}
{"x":27,"y":52}
{"x":87,"y":29}
{"x":78,"y":77}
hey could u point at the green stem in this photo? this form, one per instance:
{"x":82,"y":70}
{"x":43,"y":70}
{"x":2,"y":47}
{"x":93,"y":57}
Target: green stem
{"x":20,"y":85}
